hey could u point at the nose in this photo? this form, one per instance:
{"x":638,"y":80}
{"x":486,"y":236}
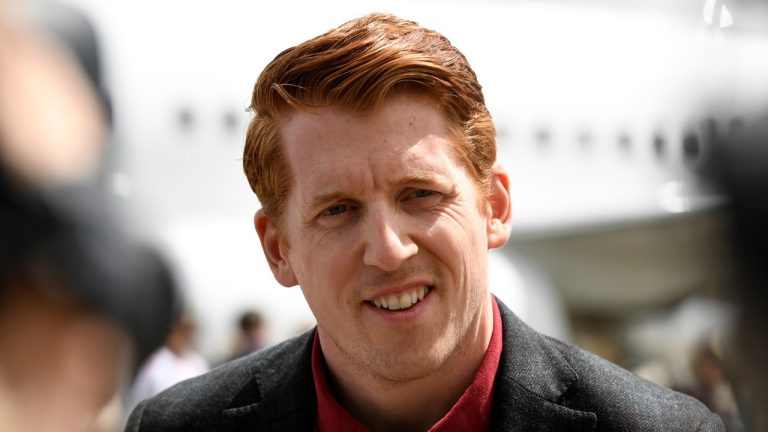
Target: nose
{"x":387,"y":243}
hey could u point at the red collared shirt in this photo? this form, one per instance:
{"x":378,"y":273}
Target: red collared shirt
{"x":471,"y":412}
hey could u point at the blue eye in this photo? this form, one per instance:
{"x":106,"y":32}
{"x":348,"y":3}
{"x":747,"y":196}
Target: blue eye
{"x":335,"y":210}
{"x":420,"y":198}
{"x":420,"y":193}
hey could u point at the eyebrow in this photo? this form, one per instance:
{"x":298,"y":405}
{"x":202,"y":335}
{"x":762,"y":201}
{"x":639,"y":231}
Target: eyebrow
{"x":425,"y":178}
{"x":320,"y":201}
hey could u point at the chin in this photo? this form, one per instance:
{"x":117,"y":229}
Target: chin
{"x":401,"y":366}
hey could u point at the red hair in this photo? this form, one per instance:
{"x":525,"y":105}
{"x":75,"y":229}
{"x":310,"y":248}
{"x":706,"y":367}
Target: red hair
{"x":357,"y":66}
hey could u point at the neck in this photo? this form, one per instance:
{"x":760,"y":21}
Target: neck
{"x":415,"y":405}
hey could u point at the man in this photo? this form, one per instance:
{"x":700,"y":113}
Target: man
{"x":373,"y":156}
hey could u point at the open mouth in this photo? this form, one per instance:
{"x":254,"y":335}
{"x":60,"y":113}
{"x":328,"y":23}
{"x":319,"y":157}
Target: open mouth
{"x":403,"y":300}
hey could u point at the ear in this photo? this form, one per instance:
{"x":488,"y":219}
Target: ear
{"x":499,"y":223}
{"x":273,"y":250}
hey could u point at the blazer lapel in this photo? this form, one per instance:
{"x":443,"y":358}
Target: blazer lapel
{"x":533,"y":376}
{"x":516,"y":409}
{"x":281,"y":394}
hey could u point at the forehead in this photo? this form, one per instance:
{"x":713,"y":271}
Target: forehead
{"x":396,"y":120}
{"x":406,"y":135}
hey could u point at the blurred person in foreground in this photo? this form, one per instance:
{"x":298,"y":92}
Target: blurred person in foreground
{"x":70,"y":290}
{"x":373,"y":156}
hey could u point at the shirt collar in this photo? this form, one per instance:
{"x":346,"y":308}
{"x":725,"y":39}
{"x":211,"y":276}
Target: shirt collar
{"x":471,"y":412}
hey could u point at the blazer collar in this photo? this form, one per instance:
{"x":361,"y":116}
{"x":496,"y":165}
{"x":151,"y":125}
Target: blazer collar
{"x":532,"y":379}
{"x":281,"y":394}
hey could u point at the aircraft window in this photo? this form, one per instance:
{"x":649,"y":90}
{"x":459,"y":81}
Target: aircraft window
{"x":691,"y":146}
{"x":659,"y":145}
{"x":230,"y":121}
{"x":736,"y":126}
{"x":185,"y":118}
{"x":709,"y":129}
{"x":625,"y":142}
{"x":543,"y":137}
{"x":584,"y":138}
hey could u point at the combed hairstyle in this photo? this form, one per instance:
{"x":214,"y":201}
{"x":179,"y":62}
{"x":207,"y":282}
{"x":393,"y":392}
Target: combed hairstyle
{"x":356,"y":67}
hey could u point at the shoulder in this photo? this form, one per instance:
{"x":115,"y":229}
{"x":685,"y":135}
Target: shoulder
{"x":557,"y":382}
{"x":239,"y":387}
{"x":623,"y":400}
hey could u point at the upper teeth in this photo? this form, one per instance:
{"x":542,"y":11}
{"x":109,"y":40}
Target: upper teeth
{"x":403,"y":300}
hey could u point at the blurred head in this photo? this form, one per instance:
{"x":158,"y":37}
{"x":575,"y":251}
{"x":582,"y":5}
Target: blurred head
{"x":181,"y":335}
{"x":250,"y":322}
{"x":52,"y":119}
{"x":252,"y":335}
{"x":356,"y":67}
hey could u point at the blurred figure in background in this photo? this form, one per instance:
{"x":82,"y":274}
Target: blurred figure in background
{"x":79,"y":306}
{"x":175,"y":361}
{"x":711,"y":387}
{"x":252,"y":334}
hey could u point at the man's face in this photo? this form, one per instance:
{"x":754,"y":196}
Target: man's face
{"x":386,"y":234}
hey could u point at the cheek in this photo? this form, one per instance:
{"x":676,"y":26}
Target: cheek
{"x":322,"y":272}
{"x":458,"y":234}
{"x":460,"y":249}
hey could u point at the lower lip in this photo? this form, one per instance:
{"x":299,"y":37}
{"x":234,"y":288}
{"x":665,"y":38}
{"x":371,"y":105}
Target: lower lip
{"x":401,"y":315}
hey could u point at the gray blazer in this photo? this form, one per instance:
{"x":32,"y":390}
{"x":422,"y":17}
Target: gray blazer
{"x":542,"y":385}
